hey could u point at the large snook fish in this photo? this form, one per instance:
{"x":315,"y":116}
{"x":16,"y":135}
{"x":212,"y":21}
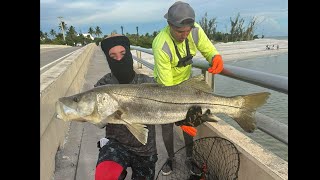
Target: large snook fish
{"x":135,"y":105}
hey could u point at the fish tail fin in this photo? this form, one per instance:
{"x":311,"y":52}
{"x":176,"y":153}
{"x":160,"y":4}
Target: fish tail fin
{"x":255,"y":100}
{"x":139,"y":131}
{"x":245,"y":118}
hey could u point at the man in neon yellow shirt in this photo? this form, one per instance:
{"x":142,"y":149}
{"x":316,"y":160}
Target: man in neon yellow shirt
{"x":173,"y":49}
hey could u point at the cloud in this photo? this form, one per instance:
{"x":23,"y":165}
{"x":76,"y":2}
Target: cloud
{"x":47,"y":1}
{"x":150,"y":12}
{"x":128,"y":11}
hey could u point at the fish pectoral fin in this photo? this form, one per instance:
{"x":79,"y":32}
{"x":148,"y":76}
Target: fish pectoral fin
{"x":102,"y":123}
{"x":113,"y":118}
{"x":117,"y":114}
{"x":139,"y":131}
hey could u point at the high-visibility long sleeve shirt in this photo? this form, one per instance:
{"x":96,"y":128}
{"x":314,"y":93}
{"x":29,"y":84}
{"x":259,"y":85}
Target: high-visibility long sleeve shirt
{"x":166,"y":59}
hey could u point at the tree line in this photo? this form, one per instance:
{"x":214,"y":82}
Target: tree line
{"x":238,"y":32}
{"x":69,"y":35}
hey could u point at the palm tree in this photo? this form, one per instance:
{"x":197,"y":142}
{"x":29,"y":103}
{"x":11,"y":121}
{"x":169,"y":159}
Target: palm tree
{"x":98,"y":31}
{"x":72,"y":31}
{"x":45,"y":35}
{"x":62,"y":27}
{"x":41,"y":35}
{"x":53,"y":33}
{"x":91,"y":31}
{"x":137,"y":30}
{"x":154,"y":34}
{"x":71,"y":37}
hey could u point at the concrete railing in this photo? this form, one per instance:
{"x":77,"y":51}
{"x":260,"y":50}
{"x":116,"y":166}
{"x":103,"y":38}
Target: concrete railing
{"x":53,"y":46}
{"x":65,"y":78}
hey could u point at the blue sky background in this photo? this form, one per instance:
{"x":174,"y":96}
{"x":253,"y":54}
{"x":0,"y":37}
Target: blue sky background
{"x":110,"y":15}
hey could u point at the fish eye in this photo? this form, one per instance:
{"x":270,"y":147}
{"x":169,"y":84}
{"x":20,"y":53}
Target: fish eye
{"x":76,"y":99}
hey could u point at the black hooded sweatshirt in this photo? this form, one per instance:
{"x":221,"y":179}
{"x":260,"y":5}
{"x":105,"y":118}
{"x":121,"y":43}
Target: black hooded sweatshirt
{"x":123,"y":69}
{"x":122,"y":73}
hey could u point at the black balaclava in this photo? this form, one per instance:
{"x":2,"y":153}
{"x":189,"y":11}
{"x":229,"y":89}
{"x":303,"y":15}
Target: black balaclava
{"x":123,"y":69}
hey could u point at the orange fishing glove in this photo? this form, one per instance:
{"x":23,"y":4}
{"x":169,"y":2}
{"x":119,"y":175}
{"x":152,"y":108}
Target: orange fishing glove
{"x":217,"y":65}
{"x":189,"y":130}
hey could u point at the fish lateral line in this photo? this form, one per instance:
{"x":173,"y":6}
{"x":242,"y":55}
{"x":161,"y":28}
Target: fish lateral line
{"x":165,"y":102}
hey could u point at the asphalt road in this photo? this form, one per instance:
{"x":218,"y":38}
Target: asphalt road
{"x":48,"y":55}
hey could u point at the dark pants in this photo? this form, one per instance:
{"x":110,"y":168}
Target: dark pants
{"x":167,"y":135}
{"x":143,"y":167}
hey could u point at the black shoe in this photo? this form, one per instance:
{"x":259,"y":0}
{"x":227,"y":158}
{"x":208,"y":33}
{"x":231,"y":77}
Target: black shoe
{"x":193,"y":167}
{"x":167,"y":168}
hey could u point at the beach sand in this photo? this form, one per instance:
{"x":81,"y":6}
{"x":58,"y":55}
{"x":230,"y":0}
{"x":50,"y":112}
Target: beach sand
{"x":231,"y":51}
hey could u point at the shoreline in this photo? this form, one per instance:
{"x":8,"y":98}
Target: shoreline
{"x":241,"y":50}
{"x":231,"y":51}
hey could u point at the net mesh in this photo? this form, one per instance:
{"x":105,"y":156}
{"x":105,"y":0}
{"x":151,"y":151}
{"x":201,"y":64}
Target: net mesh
{"x":217,"y":159}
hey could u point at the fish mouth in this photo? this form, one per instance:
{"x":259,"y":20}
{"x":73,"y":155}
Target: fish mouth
{"x":64,"y":112}
{"x":67,"y":113}
{"x":58,"y":116}
{"x":59,"y":112}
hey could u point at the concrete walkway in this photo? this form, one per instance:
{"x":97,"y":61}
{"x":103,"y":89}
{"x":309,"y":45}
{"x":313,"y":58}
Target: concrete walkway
{"x":77,"y":159}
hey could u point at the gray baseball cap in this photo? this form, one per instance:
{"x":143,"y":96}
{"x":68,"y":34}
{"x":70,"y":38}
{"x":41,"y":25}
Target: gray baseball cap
{"x":179,"y":12}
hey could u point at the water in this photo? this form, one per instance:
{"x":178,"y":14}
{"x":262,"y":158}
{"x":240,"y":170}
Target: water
{"x":278,"y":37}
{"x":277,"y":105}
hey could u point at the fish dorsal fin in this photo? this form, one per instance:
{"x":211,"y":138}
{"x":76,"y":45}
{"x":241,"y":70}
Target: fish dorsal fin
{"x":197,"y":82}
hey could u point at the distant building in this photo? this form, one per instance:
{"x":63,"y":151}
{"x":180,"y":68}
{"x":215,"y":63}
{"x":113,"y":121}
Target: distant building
{"x":87,"y":34}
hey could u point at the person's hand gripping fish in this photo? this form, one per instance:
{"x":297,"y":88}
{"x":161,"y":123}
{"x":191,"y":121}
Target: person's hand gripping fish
{"x":193,"y":119}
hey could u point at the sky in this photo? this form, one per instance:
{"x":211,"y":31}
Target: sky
{"x":147,"y":15}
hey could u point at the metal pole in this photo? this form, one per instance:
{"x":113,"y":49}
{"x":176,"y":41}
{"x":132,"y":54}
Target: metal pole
{"x":139,"y":56}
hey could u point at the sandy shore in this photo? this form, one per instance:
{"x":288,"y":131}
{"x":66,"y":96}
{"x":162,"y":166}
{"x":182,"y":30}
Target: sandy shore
{"x":234,"y":51}
{"x":250,"y":49}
